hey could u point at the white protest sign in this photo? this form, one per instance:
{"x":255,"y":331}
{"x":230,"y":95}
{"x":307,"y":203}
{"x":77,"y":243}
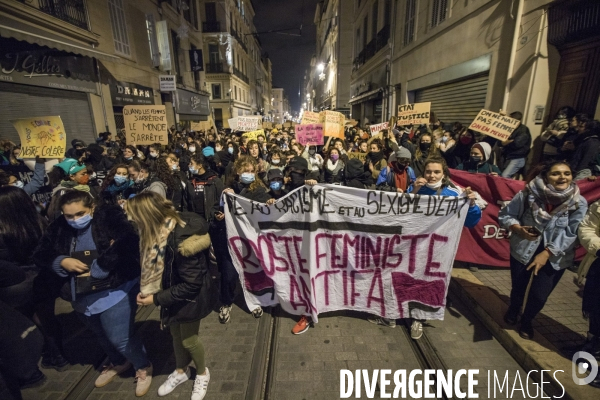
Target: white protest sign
{"x":233,"y":124}
{"x":375,"y":129}
{"x":248,"y":124}
{"x":495,"y":125}
{"x":325,"y":247}
{"x":309,"y":117}
{"x":413,"y":114}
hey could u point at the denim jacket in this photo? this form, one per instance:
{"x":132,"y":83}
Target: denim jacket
{"x":559,"y":236}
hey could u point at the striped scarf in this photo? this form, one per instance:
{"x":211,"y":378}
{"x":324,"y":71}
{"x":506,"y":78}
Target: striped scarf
{"x":542,"y":194}
{"x":153,"y":263}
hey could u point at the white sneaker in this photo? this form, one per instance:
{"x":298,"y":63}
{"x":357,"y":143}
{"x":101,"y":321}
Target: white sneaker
{"x":416,"y":330}
{"x":225,"y":314}
{"x":174,"y":380}
{"x":257,"y":312}
{"x":200,"y":386}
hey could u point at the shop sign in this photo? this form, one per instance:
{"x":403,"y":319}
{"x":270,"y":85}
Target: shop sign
{"x":167,"y":83}
{"x":192,"y":103}
{"x":127,"y":93}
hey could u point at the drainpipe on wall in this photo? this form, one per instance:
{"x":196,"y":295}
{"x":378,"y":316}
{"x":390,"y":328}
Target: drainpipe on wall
{"x":101,"y":94}
{"x":513,"y":51}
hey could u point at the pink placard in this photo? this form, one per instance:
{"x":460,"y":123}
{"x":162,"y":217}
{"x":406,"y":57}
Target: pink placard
{"x":309,"y":134}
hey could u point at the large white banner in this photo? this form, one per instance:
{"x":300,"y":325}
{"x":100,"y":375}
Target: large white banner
{"x":325,"y":248}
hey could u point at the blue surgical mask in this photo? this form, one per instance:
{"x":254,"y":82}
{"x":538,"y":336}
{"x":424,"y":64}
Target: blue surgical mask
{"x":174,"y":167}
{"x":80,"y":223}
{"x":19,"y":184}
{"x":230,"y":150}
{"x":120,"y":179}
{"x":276,"y":185}
{"x":247,"y":177}
{"x":193,"y":170}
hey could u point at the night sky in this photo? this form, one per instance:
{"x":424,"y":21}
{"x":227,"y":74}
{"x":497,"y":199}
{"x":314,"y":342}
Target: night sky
{"x":290,"y":55}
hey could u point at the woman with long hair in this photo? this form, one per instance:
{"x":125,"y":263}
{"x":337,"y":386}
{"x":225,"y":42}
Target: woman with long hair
{"x":334,"y":167}
{"x":102,"y":242}
{"x":65,"y":176}
{"x":246,"y":182}
{"x":115,"y":186}
{"x":423,"y":149}
{"x":174,"y":253}
{"x":543,"y":218}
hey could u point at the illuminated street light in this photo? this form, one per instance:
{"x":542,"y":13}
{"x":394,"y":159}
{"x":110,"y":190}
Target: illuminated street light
{"x":321,"y":67}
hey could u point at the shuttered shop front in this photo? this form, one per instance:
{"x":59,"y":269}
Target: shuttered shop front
{"x":457,"y":101}
{"x":21,"y":101}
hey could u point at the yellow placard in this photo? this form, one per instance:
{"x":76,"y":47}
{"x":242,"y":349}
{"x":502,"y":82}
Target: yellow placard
{"x":41,"y":136}
{"x":278,"y":126}
{"x":145,"y":124}
{"x":287,"y":124}
{"x":495,"y":125}
{"x":253,"y":135}
{"x":267,"y":125}
{"x":414,"y":114}
{"x":309,"y":117}
{"x":360,"y":156}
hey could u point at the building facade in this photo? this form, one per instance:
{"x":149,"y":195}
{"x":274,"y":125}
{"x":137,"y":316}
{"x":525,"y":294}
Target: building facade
{"x":236,"y":77}
{"x":280,"y":106}
{"x":86,"y":60}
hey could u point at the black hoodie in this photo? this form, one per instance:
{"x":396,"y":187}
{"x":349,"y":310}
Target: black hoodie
{"x":356,"y":176}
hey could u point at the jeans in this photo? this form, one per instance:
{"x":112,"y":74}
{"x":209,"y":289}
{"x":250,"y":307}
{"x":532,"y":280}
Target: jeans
{"x":187,"y":345}
{"x":114,"y":329}
{"x":229,"y":275}
{"x":513,"y":166}
{"x":542,"y":285}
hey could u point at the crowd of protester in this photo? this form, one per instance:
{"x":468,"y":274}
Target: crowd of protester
{"x":144,"y":224}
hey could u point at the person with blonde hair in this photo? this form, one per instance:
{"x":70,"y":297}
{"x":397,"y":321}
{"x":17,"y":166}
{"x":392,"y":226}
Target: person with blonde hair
{"x":174,"y":256}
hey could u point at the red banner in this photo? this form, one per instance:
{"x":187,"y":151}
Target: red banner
{"x":487,"y":243}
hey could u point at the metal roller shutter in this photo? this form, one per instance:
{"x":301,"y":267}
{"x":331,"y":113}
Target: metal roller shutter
{"x":457,"y":101}
{"x":20,"y":101}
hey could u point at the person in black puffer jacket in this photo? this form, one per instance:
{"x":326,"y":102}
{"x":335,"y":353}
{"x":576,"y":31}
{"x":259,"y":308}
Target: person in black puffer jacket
{"x":356,"y":176}
{"x":175,"y":255}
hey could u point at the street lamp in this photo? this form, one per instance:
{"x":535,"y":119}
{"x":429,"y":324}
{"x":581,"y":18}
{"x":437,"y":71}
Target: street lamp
{"x":321,"y":67}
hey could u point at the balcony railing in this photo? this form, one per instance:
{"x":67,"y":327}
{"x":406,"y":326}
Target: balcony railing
{"x":240,"y":75}
{"x":214,"y":68}
{"x":572,"y":21}
{"x":211,"y":26}
{"x":372,"y":48}
{"x":71,"y":11}
{"x":237,"y":36}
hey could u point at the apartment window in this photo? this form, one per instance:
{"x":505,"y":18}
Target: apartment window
{"x":190,"y":14}
{"x":119,"y":27}
{"x":235,"y":90}
{"x":374,"y":16}
{"x":409,"y":21}
{"x":152,"y":40}
{"x":387,"y":12}
{"x":365,"y":30}
{"x":210,"y":10}
{"x":213,"y":54}
{"x":197,"y":73}
{"x":438,"y":12}
{"x":358,"y":49}
{"x":216,"y":91}
{"x":175,"y":41}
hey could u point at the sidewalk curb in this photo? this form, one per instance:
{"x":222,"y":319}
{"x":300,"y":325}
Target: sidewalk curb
{"x":531,"y":355}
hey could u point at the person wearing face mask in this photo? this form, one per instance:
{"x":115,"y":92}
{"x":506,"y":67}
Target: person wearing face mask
{"x":115,"y":186}
{"x":129,"y":154}
{"x":479,"y":161}
{"x":422,"y":150}
{"x":37,"y":179}
{"x":99,"y":241}
{"x":555,"y":132}
{"x":315,"y":164}
{"x":297,"y":174}
{"x":67,"y":175}
{"x":223,"y":156}
{"x":397,"y":176}
{"x":435,"y":182}
{"x":460,"y":152}
{"x":143,"y":180}
{"x":333,"y":172}
{"x":375,"y":161}
{"x":543,"y":219}
{"x":276,"y":188}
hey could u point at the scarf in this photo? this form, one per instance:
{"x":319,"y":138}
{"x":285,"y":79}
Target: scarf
{"x":542,"y":194}
{"x":375,"y":157}
{"x":112,"y":188}
{"x":153,"y":263}
{"x":334,"y":168}
{"x":75,"y":185}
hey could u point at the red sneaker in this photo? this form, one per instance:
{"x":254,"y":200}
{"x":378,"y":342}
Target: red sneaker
{"x":302,"y":325}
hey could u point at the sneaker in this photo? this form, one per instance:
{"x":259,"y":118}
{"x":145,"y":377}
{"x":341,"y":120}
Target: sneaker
{"x":390,"y":323}
{"x":109,"y":372}
{"x":174,"y":380}
{"x":200,"y":385}
{"x":37,"y":379}
{"x":57,"y":362}
{"x":302,"y":326}
{"x":416,"y":330}
{"x":225,"y":314}
{"x":257,"y":312}
{"x":143,"y":379}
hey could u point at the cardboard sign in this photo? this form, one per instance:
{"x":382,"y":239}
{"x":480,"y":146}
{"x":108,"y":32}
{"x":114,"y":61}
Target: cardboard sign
{"x":309,"y":117}
{"x":375,"y":129}
{"x":41,"y":136}
{"x":145,"y":124}
{"x":278,"y":126}
{"x":248,"y":124}
{"x":495,"y":125}
{"x":253,"y":135}
{"x":204,"y":125}
{"x":311,"y":134}
{"x":267,"y":125}
{"x":361,"y":156}
{"x":333,"y":123}
{"x":342,"y":251}
{"x":414,"y":114}
{"x":287,"y":125}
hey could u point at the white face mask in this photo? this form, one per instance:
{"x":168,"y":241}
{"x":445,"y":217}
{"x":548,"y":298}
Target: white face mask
{"x":436,"y":185}
{"x":192,"y":149}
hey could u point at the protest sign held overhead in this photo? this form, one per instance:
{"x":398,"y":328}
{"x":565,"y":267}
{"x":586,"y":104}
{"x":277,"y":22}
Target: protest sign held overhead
{"x":309,"y":117}
{"x":253,"y":135}
{"x":145,"y":124}
{"x":248,"y":124}
{"x":375,"y":129}
{"x":413,"y":114}
{"x":311,"y":134}
{"x":326,"y":247}
{"x":333,"y":123}
{"x":494,"y":124}
{"x":41,"y":136}
{"x":267,"y":125}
